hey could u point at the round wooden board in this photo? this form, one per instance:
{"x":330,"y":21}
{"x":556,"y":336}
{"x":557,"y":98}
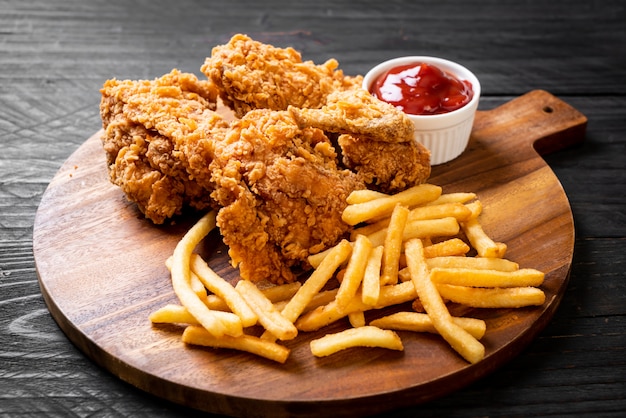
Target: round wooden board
{"x":101,"y":270}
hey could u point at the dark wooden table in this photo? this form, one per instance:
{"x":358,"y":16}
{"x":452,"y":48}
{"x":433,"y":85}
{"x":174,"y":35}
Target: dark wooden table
{"x":55,"y":55}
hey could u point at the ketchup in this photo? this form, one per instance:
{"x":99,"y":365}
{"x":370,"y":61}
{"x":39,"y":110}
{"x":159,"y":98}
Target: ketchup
{"x":422,"y":89}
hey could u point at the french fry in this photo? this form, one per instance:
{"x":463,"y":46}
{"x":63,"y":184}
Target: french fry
{"x":487,"y":278}
{"x":369,"y":229}
{"x":499,"y":264}
{"x":392,"y":246}
{"x":181,"y":279}
{"x":475,"y":209}
{"x":268,"y":316}
{"x":459,"y":197}
{"x":459,"y":339}
{"x":355,"y":271}
{"x":194,"y":281}
{"x":275,"y":293}
{"x":224,"y":290}
{"x":444,"y":210}
{"x":215,"y":303}
{"x":476,"y":297}
{"x":327,"y":314}
{"x":280,"y":292}
{"x":177,"y":314}
{"x":316,"y":259}
{"x":316,"y":281}
{"x":320,"y":299}
{"x":366,"y":336}
{"x":268,"y":349}
{"x":421,"y":322}
{"x":484,"y":245}
{"x":450,"y":247}
{"x":426,"y":228}
{"x":364,"y":195}
{"x":361,"y":212}
{"x":370,"y":289}
{"x":357,"y":319}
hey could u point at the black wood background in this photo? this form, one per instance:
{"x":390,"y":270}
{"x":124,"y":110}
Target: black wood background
{"x":55,"y":55}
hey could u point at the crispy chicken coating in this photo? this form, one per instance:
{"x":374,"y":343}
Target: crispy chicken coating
{"x":158,"y":140}
{"x":389,"y":167}
{"x":252,"y":75}
{"x":377,"y":140}
{"x":359,"y":113}
{"x":281,"y":193}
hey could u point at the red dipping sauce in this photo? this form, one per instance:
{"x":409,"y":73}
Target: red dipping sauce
{"x":422,"y":89}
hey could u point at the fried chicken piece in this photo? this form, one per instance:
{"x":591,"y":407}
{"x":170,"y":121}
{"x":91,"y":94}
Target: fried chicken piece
{"x":281,"y":192}
{"x":253,"y":75}
{"x":377,"y":140}
{"x":158,"y":139}
{"x":389,"y":167}
{"x":359,"y":113}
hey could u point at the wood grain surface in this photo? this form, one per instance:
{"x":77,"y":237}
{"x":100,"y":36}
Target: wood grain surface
{"x":101,"y":269}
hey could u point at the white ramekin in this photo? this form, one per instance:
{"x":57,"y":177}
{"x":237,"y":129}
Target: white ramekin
{"x":446,"y":135}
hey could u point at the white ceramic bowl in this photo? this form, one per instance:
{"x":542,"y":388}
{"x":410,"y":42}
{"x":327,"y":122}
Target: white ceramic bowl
{"x":446,"y":135}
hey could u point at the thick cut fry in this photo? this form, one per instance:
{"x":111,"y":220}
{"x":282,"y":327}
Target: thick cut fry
{"x":277,"y":293}
{"x":357,"y":319}
{"x":444,"y":210}
{"x":268,"y":316}
{"x":421,"y":322}
{"x":370,"y":289}
{"x":366,"y":336}
{"x":427,"y":228}
{"x":459,"y":339}
{"x":355,"y":271}
{"x":450,"y":247}
{"x":476,"y":208}
{"x":316,"y":281}
{"x":181,"y":278}
{"x":499,"y":264}
{"x":320,"y":299}
{"x":392,"y":246}
{"x":476,"y":297}
{"x":482,"y":243}
{"x":281,"y":292}
{"x":194,"y":281}
{"x":224,"y":290}
{"x":327,"y":314}
{"x":268,"y":349}
{"x":369,"y":229}
{"x":486,"y":278}
{"x":316,"y":259}
{"x":177,"y":314}
{"x":361,"y":212}
{"x":364,"y":195}
{"x":459,"y":197}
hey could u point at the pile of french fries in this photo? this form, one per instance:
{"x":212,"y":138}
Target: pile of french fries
{"x":413,"y":249}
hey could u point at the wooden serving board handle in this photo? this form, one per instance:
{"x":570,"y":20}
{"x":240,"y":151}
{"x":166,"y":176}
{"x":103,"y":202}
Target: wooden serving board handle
{"x":537,"y":119}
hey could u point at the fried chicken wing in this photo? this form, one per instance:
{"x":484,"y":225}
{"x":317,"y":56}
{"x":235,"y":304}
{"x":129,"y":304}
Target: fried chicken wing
{"x":357,"y":112}
{"x":253,"y":75}
{"x":158,"y":139}
{"x":281,"y":194}
{"x":386,"y":166}
{"x":377,"y":140}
